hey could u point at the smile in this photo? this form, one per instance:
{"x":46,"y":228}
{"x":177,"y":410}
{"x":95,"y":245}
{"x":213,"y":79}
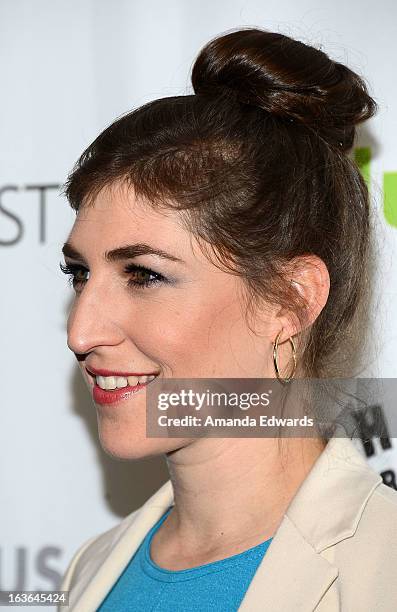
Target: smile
{"x":114,"y":389}
{"x":109,"y":383}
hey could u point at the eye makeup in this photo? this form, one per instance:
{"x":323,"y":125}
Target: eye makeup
{"x":141,"y":277}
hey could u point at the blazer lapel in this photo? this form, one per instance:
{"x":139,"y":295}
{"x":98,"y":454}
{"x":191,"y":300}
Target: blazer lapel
{"x":291,"y":575}
{"x":110,"y":554}
{"x":326,"y":509}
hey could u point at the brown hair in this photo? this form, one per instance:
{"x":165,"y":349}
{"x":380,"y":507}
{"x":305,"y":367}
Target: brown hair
{"x":256,"y":161}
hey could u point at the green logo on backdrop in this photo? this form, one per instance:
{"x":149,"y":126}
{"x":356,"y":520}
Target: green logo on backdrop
{"x":362,"y":156}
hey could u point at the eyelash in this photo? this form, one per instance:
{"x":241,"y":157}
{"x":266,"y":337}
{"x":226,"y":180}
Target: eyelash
{"x":73,"y":269}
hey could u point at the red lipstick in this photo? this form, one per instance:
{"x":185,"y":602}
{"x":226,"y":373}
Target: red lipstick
{"x":105,"y":396}
{"x":102,"y":396}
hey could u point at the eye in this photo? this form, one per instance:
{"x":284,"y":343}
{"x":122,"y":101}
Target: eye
{"x":77,"y":274}
{"x":140,"y":276}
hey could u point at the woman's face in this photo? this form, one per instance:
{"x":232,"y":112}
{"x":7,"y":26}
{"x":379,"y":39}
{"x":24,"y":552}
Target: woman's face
{"x":187,"y":322}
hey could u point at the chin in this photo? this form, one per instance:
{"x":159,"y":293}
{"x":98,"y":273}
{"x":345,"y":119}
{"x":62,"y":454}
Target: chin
{"x":135,"y":447}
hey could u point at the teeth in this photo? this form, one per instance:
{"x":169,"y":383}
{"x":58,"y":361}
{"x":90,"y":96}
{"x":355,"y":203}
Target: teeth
{"x":110,"y":382}
{"x":118,"y":382}
{"x":145,"y":379}
{"x":121,"y":382}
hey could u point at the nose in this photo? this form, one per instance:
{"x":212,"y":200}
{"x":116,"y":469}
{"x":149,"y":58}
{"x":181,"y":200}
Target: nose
{"x":91,"y":324}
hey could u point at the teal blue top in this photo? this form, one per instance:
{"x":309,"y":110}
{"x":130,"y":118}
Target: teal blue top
{"x":144,"y":586}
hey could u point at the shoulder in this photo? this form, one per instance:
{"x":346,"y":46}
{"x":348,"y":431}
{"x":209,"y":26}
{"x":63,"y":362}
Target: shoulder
{"x":113,"y":545}
{"x":375,"y":535}
{"x":386,"y":496}
{"x":382,"y":504}
{"x":380,"y":513}
{"x":95,"y":546}
{"x":367,"y":559}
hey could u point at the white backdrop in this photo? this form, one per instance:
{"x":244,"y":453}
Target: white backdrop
{"x":67,"y":69}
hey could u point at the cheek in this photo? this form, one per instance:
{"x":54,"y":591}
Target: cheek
{"x":195,"y":337}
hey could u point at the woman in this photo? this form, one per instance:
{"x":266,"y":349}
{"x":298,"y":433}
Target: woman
{"x":225,"y":234}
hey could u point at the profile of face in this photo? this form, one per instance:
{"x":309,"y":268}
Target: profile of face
{"x":169,"y":312}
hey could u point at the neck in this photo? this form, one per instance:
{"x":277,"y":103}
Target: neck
{"x":235,"y":490}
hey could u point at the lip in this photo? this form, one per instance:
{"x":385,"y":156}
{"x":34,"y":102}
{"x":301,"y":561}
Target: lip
{"x":102,"y":396}
{"x":101,"y":372}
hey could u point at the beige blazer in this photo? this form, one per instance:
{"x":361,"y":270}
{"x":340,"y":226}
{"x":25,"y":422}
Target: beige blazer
{"x":334,"y":550}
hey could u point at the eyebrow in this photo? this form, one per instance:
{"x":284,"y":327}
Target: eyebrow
{"x":121,"y":253}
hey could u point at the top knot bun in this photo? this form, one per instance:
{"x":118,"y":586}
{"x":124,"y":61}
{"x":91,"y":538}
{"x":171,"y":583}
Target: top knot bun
{"x":288,"y":79}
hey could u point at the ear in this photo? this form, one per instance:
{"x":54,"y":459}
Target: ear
{"x":309,"y":275}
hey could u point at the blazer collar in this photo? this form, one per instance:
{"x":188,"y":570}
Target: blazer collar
{"x":338,"y":487}
{"x":325,"y":510}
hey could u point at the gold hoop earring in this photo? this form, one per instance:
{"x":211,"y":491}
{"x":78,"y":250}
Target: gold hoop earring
{"x":275,"y":359}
